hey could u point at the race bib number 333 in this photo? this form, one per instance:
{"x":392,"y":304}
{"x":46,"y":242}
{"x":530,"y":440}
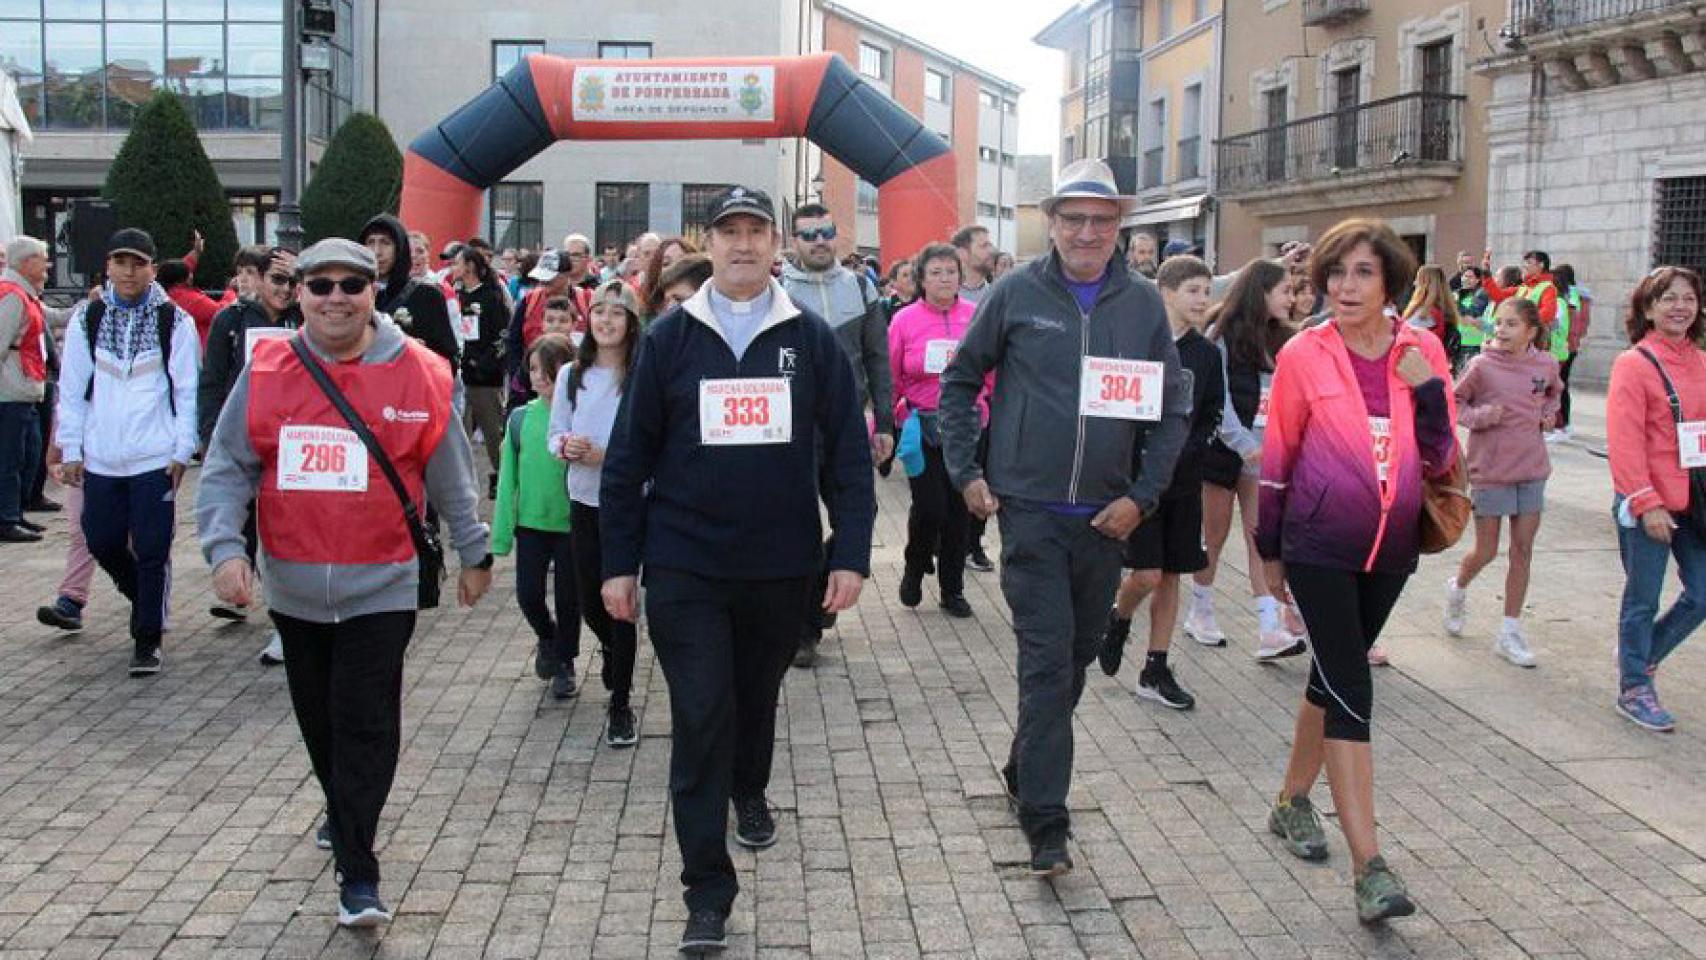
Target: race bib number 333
{"x":745,"y":411}
{"x":1120,"y":389}
{"x":321,"y":458}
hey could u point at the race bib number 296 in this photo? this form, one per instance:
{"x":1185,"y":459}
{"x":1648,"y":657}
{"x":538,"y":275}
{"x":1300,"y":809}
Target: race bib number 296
{"x":321,"y":458}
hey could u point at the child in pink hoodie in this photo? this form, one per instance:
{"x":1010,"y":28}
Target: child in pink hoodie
{"x":1507,"y":398}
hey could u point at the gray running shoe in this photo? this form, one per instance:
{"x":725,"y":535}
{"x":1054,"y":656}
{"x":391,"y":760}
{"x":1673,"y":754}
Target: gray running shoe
{"x":1295,"y":822}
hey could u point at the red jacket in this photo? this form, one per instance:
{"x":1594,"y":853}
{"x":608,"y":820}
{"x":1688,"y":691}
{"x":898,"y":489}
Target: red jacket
{"x":201,"y":308}
{"x":1640,"y":430}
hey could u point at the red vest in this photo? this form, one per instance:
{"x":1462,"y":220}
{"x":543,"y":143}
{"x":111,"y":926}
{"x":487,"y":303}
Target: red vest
{"x":533,"y":317}
{"x":29,"y":344}
{"x":406,"y":403}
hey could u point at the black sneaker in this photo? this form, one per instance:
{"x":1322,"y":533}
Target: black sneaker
{"x":31,"y":526}
{"x":359,"y":906}
{"x":977,"y":560}
{"x":65,"y":613}
{"x":1113,"y":642}
{"x":1156,"y":683}
{"x":755,"y":828}
{"x":563,"y":683}
{"x":955,"y":605}
{"x":145,"y":663}
{"x":228,"y":611}
{"x":619,"y":727}
{"x":704,"y":933}
{"x":1048,"y":853}
{"x":13,"y":533}
{"x":806,"y":657}
{"x":545,"y":662}
{"x":912,"y":587}
{"x":42,"y":505}
{"x":323,"y":835}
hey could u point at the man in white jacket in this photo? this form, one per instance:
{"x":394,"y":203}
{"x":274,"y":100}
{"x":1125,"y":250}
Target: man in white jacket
{"x":127,"y":428}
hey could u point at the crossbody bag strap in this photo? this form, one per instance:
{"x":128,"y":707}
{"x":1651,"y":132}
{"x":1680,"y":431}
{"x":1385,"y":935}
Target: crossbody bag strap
{"x":1670,"y":391}
{"x":323,"y":380}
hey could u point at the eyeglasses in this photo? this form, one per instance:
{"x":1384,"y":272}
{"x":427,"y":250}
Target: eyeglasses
{"x":578,"y":256}
{"x":281,"y":279}
{"x":322,"y":286}
{"x":816,"y":233}
{"x":1075,"y":222}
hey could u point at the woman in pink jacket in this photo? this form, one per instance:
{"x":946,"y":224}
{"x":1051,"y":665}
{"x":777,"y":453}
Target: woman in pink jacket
{"x":1507,"y":398}
{"x":923,"y":337}
{"x":1650,"y":473}
{"x":1359,"y":412}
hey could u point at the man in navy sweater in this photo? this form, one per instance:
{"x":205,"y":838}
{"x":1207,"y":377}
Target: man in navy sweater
{"x":711,"y":484}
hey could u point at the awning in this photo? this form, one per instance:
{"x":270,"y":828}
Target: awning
{"x":1166,"y":211}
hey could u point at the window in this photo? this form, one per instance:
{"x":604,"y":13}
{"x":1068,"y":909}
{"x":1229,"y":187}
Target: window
{"x":987,"y":209}
{"x":516,"y":215}
{"x":1190,"y":134}
{"x":1009,"y":161}
{"x":1009,"y":107}
{"x":1273,"y":141}
{"x":1436,"y":109}
{"x":1199,"y":10}
{"x":1068,"y":149}
{"x":1155,"y":158}
{"x":873,"y":61}
{"x":990,"y":99}
{"x":935,"y":85}
{"x":1347,"y":92}
{"x":1007,"y":213}
{"x":624,"y":212}
{"x":989,"y":155}
{"x":622,"y":50}
{"x":507,"y":53}
{"x":865,"y":197}
{"x":695,"y":199}
{"x":1679,"y":223}
{"x":1164,"y":19}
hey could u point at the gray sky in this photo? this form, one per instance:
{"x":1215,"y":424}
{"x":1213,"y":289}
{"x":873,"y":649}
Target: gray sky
{"x":993,"y":35}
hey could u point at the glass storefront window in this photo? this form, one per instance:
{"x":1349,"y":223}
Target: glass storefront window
{"x":133,"y":10}
{"x":204,"y":98}
{"x":259,"y":10}
{"x":20,"y":9}
{"x":134,"y":63}
{"x":255,"y":103}
{"x":195,"y":50}
{"x":20,"y":48}
{"x":73,"y":9}
{"x":254,"y":50}
{"x":74,"y":75}
{"x":195,"y":9}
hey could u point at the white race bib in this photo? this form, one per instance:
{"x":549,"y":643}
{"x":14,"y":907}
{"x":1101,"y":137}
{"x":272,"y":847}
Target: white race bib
{"x":745,"y":411}
{"x":1691,"y":443}
{"x":575,"y":338}
{"x":255,"y":335}
{"x":321,"y":458}
{"x":1261,"y":419}
{"x":468,"y":326}
{"x":938,"y":354}
{"x":1380,"y":428}
{"x":1120,"y":389}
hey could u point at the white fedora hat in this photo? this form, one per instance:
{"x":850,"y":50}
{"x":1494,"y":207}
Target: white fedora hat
{"x":1091,"y":180}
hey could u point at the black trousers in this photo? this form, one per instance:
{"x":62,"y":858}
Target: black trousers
{"x":724,"y":646}
{"x":1564,"y":397}
{"x":44,"y":413}
{"x":346,"y":683}
{"x":541,"y":555}
{"x":616,"y":638}
{"x":1345,"y":611}
{"x":937,"y":524}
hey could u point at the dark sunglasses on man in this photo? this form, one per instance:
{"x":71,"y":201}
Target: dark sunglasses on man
{"x":281,"y":279}
{"x":816,"y":233}
{"x":322,"y":286}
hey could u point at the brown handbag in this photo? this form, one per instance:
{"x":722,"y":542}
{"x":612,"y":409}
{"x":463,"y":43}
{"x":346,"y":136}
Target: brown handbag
{"x":1445,"y":506}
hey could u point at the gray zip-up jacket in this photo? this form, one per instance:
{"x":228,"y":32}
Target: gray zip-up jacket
{"x":332,"y":593}
{"x":1031,"y":332}
{"x":854,"y":310}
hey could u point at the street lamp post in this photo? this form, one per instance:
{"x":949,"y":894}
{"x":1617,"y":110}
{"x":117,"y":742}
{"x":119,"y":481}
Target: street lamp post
{"x":290,"y":136}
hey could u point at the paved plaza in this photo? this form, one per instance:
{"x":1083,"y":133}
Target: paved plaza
{"x":174,"y":817}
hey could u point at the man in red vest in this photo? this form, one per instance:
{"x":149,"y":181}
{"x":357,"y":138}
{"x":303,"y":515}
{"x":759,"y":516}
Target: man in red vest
{"x":342,"y":571}
{"x":23,"y":374}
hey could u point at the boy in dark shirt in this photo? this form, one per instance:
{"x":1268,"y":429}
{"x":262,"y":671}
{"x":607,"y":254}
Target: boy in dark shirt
{"x":1169,"y":542}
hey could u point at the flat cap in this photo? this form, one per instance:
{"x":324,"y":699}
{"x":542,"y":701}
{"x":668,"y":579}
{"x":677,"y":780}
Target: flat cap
{"x":337,"y":252}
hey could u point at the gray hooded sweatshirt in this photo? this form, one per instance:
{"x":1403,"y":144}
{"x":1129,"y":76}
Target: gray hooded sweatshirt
{"x":332,"y":593}
{"x":854,"y":310}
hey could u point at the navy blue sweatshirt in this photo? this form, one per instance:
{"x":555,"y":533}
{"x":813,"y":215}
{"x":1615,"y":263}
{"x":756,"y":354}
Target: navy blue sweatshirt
{"x":736,"y":512}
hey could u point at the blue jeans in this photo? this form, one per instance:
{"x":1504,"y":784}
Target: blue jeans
{"x":1644,"y":637}
{"x":20,"y":458}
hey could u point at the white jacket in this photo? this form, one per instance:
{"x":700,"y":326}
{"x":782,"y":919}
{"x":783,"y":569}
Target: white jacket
{"x":128,"y":428}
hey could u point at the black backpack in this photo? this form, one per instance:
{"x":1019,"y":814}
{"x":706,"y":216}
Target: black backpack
{"x":165,"y":321}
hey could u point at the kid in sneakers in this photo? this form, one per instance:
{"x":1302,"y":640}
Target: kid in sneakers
{"x":1508,"y":397}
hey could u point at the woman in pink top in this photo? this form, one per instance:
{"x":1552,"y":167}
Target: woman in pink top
{"x":1649,"y":471}
{"x":1507,"y":397}
{"x":922,"y":339}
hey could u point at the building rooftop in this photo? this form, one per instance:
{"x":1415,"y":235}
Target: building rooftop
{"x":1000,"y":83}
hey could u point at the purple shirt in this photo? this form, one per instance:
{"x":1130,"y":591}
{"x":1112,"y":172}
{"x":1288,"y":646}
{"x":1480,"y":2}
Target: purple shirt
{"x":1086,"y":293}
{"x":1371,"y":378}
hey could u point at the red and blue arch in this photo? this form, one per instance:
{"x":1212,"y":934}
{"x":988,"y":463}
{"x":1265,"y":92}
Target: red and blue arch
{"x":449,"y":167}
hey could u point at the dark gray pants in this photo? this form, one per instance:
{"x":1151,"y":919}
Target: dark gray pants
{"x":1058,"y":575}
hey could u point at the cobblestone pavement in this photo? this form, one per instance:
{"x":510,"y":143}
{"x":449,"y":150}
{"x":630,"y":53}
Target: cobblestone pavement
{"x":174,"y":817}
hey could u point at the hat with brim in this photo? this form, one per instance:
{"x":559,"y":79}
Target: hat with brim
{"x":619,"y":293}
{"x":550,"y":264}
{"x":740,"y":200}
{"x":337,"y":252}
{"x":135,"y":242}
{"x":1087,"y":180}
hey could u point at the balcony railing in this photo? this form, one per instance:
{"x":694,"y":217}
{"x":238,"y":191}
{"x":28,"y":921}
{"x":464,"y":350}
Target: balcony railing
{"x":1530,"y":17}
{"x":1382,"y":135}
{"x":1321,"y":13}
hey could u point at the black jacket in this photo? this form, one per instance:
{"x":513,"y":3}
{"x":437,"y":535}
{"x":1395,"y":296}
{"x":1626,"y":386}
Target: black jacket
{"x":736,"y":512}
{"x":482,"y":358}
{"x":1208,"y":396}
{"x":226,"y":354}
{"x":428,"y":318}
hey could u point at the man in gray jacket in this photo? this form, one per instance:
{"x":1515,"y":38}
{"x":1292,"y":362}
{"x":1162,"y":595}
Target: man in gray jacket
{"x":1088,"y":392}
{"x":850,"y":304}
{"x":23,"y":379}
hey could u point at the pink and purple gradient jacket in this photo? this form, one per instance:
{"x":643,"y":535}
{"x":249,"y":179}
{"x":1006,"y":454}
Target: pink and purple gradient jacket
{"x":1322,"y":502}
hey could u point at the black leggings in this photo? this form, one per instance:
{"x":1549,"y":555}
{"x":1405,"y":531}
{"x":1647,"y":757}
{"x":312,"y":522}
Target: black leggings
{"x":539,"y":553}
{"x":1564,"y":397}
{"x":1344,"y":611}
{"x":937,"y":524}
{"x":616,"y":638}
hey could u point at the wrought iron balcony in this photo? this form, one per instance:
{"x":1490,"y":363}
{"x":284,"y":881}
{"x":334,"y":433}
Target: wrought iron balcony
{"x":1591,"y":44}
{"x":1325,"y":13}
{"x":1406,"y":139}
{"x":1531,"y":17}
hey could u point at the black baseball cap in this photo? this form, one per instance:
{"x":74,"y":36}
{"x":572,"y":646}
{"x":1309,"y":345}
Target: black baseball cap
{"x":745,"y":200}
{"x":132,"y":241}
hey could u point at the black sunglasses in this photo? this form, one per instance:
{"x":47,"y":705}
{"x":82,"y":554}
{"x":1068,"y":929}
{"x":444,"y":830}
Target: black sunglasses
{"x":281,"y":279}
{"x":322,"y":286}
{"x":816,"y":233}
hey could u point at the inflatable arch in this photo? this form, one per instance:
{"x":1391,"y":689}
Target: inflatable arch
{"x":546,"y":98}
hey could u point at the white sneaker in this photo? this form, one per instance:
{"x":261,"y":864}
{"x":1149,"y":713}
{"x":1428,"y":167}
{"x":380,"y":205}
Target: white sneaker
{"x":1557,"y":436}
{"x":1514,"y":647}
{"x":1277,"y":644}
{"x":1456,"y":607}
{"x":1291,"y":619}
{"x":273,"y":655}
{"x":1200,"y":626}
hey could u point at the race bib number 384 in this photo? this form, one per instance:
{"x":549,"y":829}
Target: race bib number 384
{"x":745,"y":411}
{"x":321,"y":458}
{"x":1120,"y":389}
